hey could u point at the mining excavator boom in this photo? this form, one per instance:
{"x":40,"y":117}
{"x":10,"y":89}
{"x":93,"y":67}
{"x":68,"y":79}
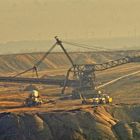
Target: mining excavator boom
{"x":79,"y":76}
{"x":85,"y":73}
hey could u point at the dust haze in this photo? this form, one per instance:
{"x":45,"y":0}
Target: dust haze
{"x":88,"y":20}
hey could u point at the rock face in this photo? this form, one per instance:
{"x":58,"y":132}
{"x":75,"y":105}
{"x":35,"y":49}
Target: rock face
{"x":98,"y":123}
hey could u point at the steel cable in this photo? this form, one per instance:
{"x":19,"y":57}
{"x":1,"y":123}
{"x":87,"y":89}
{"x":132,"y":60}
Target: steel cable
{"x":85,"y":46}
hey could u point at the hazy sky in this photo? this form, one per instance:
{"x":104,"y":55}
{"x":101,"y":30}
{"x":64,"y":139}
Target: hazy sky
{"x":43,"y":19}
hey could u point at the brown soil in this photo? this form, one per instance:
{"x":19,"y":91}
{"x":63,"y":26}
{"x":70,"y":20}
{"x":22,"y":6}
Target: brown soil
{"x":19,"y":62}
{"x":67,"y":119}
{"x":114,"y":122}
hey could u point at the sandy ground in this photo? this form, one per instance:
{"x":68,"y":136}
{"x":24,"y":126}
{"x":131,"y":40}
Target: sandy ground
{"x":12,"y":96}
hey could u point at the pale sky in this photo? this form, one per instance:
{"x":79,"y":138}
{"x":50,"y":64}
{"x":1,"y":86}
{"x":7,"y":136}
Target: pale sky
{"x":70,"y":19}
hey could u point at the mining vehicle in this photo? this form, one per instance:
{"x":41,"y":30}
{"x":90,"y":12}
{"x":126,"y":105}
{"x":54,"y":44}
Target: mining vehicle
{"x":34,"y":99}
{"x":97,"y":99}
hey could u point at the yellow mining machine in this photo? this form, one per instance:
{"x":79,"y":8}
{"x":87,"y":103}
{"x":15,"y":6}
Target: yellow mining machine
{"x":34,"y":99}
{"x":97,"y":99}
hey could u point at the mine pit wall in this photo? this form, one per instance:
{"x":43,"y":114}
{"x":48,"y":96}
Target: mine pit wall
{"x":20,"y":62}
{"x":99,"y":123}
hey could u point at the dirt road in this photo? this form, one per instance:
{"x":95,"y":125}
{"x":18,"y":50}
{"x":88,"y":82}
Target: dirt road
{"x":117,"y":79}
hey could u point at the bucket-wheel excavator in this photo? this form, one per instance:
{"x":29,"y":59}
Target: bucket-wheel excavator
{"x":85,"y":75}
{"x":81,"y":77}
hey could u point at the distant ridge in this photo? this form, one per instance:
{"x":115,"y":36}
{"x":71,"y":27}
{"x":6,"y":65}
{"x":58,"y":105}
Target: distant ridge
{"x":20,"y":62}
{"x":15,"y":47}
